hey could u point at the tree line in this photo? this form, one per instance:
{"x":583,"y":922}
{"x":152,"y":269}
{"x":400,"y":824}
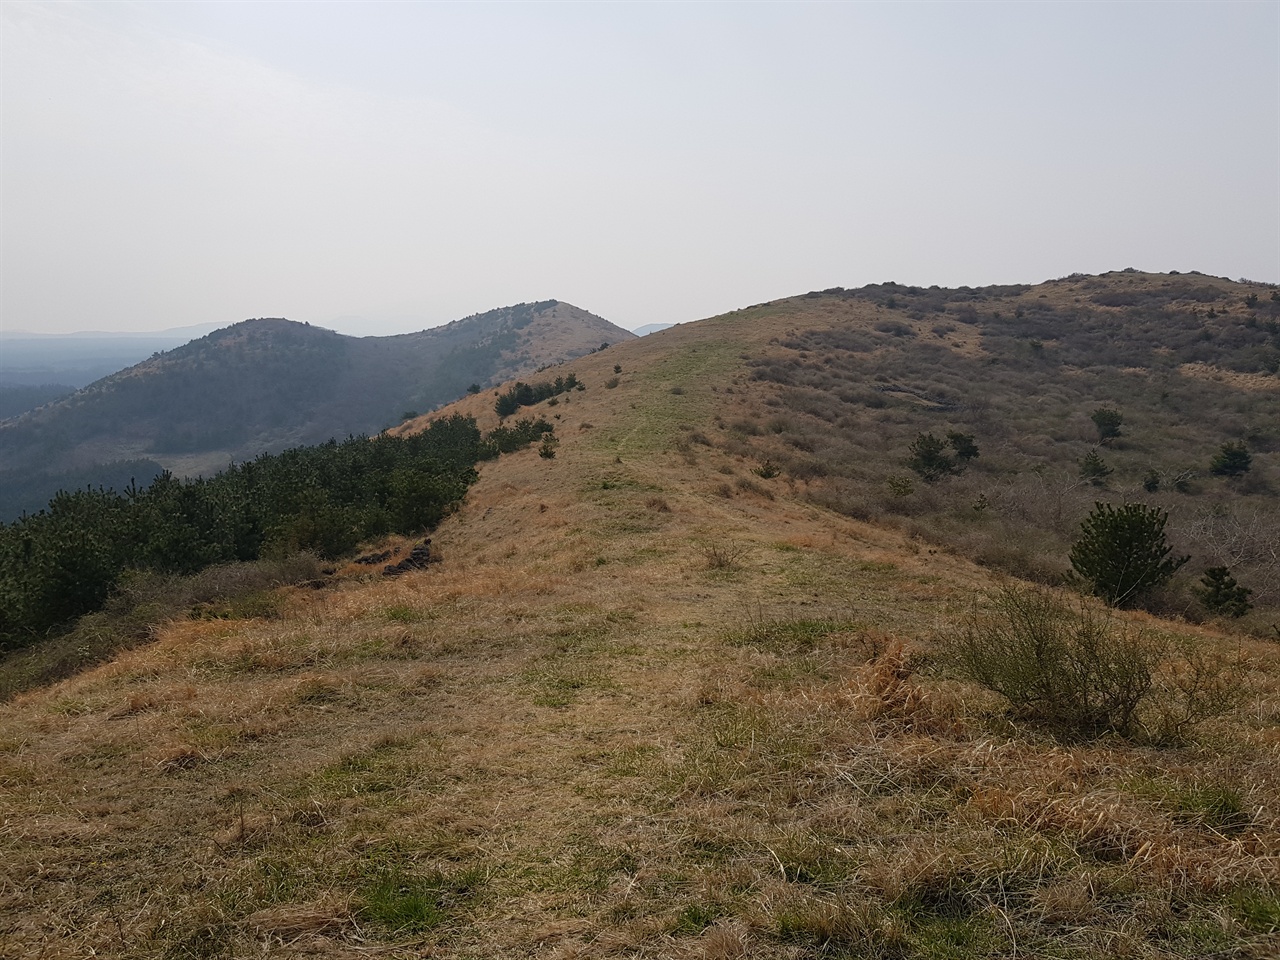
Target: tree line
{"x":63,"y":562}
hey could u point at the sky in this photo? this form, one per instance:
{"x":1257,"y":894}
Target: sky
{"x":378,"y":168}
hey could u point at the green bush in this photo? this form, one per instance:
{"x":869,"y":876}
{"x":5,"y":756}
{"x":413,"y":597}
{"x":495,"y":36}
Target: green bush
{"x":1220,"y":593}
{"x":1108,"y":421}
{"x":1233,"y":460}
{"x":929,"y":458}
{"x":1121,"y":552}
{"x":1073,"y":670}
{"x":1094,"y":469}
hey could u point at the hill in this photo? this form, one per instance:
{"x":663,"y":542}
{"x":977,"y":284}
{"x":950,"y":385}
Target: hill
{"x":679,"y":691}
{"x":264,"y":385}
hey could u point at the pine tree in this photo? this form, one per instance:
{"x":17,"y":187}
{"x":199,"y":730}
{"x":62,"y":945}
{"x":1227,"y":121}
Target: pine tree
{"x":1220,"y":593}
{"x":1233,"y":460}
{"x":1122,"y":554}
{"x":930,"y":459}
{"x":1108,"y":421}
{"x":1094,"y":469}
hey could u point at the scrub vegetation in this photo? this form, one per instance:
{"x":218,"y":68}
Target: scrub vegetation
{"x":659,"y":701}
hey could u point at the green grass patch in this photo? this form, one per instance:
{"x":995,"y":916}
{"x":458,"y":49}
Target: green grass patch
{"x":696,"y":917}
{"x":786,"y":636}
{"x":403,"y":613}
{"x":1258,"y":910}
{"x":380,"y":769}
{"x":400,"y":900}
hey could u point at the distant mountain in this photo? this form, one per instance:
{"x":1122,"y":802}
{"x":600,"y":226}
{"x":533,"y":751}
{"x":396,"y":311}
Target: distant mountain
{"x":649,"y":328}
{"x":75,"y":359}
{"x":264,"y":385}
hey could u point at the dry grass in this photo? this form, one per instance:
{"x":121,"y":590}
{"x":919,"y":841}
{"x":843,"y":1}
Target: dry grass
{"x":575,"y":737}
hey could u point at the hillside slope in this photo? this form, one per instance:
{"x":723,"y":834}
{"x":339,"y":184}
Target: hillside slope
{"x":263,"y":385}
{"x":651,"y":703}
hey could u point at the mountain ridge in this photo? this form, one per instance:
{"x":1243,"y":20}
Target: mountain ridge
{"x":265,"y":384}
{"x":674,"y":691}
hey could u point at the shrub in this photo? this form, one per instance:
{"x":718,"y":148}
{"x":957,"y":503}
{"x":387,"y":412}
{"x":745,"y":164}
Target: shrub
{"x":1094,"y":469}
{"x":963,"y":445}
{"x":1233,"y":460}
{"x":930,"y":459}
{"x":723,"y":556}
{"x":1108,"y":421}
{"x":1220,"y":593}
{"x":1074,"y":670}
{"x":1122,"y":554}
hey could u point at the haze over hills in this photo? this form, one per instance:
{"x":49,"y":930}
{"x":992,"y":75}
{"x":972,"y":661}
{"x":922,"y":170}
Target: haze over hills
{"x":74,"y":360}
{"x":263,"y":385}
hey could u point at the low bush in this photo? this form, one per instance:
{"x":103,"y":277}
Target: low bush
{"x":1079,"y":672}
{"x":1073,"y":670}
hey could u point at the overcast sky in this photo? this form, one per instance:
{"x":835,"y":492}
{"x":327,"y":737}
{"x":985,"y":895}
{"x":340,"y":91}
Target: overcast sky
{"x":379,"y":168}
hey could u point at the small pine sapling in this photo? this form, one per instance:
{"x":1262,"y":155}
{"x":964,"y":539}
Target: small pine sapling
{"x":929,"y":458}
{"x":1108,"y":421}
{"x":1122,"y":553}
{"x":1094,"y":469}
{"x":1233,"y":460}
{"x":1220,"y":593}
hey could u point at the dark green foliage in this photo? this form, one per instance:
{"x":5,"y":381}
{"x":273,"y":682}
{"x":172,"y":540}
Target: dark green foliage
{"x":1108,"y":421}
{"x":1122,"y":554}
{"x":527,"y":394}
{"x":1220,"y":593}
{"x":64,"y":561}
{"x":1094,"y":469}
{"x":963,"y":445}
{"x":259,"y":385}
{"x":1073,"y":670}
{"x":1233,"y":460}
{"x":505,"y":439}
{"x":929,"y":458}
{"x":1151,"y":482}
{"x":932,"y":461}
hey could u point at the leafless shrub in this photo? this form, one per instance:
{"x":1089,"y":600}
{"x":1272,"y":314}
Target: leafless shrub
{"x":723,"y":556}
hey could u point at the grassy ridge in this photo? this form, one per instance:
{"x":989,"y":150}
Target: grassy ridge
{"x":652,"y":704}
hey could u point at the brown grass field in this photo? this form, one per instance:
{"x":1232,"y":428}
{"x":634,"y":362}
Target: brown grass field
{"x":650,"y":704}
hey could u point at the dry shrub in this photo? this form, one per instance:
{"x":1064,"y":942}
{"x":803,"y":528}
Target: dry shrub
{"x":1073,"y":670}
{"x":1196,"y":683}
{"x":885,"y":691}
{"x":1080,"y":672}
{"x":723,"y":556}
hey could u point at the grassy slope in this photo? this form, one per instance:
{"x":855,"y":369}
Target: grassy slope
{"x":578,"y":736}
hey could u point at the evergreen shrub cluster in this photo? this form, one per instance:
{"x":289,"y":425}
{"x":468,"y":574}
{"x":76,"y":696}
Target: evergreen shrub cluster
{"x":527,"y":394}
{"x":65,"y":560}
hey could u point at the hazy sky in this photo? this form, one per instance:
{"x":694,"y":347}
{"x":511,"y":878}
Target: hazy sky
{"x":378,"y":168}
